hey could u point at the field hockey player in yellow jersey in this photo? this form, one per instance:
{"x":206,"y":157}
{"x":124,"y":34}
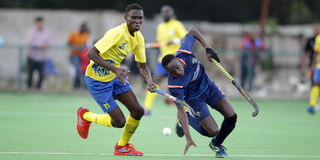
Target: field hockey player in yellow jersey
{"x":169,"y":35}
{"x":106,"y":81}
{"x":315,"y":67}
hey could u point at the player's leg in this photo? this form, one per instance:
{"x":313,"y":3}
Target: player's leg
{"x":126,"y":96}
{"x":244,"y":64}
{"x":229,"y":122}
{"x":315,"y":90}
{"x":102,"y":92}
{"x":200,"y":121}
{"x":194,"y":123}
{"x":129,"y":99}
{"x":30,"y":72}
{"x":159,"y":74}
{"x":40,"y":67}
{"x":217,"y":100}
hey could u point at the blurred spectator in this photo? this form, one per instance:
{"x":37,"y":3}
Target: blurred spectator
{"x":39,"y":38}
{"x":309,"y":52}
{"x":78,"y":42}
{"x":250,"y":46}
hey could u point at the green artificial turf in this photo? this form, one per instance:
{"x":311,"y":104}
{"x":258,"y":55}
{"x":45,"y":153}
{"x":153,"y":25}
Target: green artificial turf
{"x":37,"y":126}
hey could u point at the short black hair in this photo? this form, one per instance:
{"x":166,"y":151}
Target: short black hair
{"x":167,"y":59}
{"x":39,"y":18}
{"x":133,"y":6}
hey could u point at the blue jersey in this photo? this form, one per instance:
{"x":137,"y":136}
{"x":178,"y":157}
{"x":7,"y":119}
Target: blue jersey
{"x":195,"y":81}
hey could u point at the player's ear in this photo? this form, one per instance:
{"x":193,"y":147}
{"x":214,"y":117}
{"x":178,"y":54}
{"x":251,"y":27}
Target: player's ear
{"x":125,"y":16}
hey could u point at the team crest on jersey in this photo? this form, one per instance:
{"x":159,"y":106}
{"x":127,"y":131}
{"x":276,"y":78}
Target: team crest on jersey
{"x":171,"y":32}
{"x":194,"y":61}
{"x":101,"y":71}
{"x":122,"y":46}
{"x":198,"y":114}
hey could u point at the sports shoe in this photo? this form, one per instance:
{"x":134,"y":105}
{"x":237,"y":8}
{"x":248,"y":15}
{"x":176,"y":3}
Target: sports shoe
{"x":178,"y":129}
{"x":311,"y":110}
{"x":219,"y":150}
{"x":127,"y":150}
{"x":82,"y":124}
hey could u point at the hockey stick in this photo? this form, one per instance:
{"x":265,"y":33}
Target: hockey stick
{"x":238,"y":86}
{"x":174,"y":99}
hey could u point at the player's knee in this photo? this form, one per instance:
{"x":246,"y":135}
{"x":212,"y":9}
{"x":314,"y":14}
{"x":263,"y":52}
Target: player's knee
{"x":232,"y":119}
{"x":118,"y":123}
{"x":138,"y":113}
{"x":213,"y":132}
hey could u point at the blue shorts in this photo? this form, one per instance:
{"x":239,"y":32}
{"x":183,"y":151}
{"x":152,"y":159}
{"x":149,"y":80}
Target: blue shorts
{"x":316,"y":75}
{"x":160,"y":70}
{"x":211,"y":96}
{"x":105,"y":92}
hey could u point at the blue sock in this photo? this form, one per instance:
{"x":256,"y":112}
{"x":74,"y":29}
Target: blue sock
{"x":227,"y":126}
{"x":195,"y":124}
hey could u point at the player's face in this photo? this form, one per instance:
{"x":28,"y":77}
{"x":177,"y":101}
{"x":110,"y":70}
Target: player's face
{"x":134,"y":19}
{"x":166,"y":13}
{"x":175,"y":67}
{"x":39,"y":25}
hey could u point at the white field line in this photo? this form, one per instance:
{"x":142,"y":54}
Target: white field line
{"x":159,"y":155}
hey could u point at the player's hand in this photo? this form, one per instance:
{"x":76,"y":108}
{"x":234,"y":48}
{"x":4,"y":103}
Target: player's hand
{"x":189,"y":143}
{"x":212,"y":54}
{"x":122,"y":75}
{"x":150,"y":86}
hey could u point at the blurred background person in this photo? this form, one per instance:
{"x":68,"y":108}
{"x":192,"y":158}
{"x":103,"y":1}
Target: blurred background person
{"x":315,"y":69}
{"x":169,"y":34}
{"x":39,"y":39}
{"x":309,"y":52}
{"x":250,"y":46}
{"x":77,"y":42}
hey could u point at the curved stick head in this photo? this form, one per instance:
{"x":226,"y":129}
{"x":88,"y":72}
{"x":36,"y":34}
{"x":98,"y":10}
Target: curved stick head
{"x":255,"y":113}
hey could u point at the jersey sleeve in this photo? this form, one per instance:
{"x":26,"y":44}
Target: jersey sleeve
{"x":187,"y":44}
{"x":107,"y":41}
{"x":317,"y":44}
{"x":181,"y":31}
{"x":177,"y":92}
{"x":140,"y":51}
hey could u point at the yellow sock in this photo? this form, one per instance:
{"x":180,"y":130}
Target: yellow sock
{"x":129,"y":129}
{"x":314,"y":96}
{"x":150,"y":97}
{"x":102,"y":119}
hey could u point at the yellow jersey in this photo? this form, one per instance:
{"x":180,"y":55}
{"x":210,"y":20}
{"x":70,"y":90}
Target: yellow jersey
{"x":168,"y":31}
{"x":114,"y":46}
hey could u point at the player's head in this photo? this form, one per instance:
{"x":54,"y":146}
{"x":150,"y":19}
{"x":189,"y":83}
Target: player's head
{"x":173,"y":65}
{"x":84,"y":28}
{"x":167,"y":13}
{"x":134,"y":17}
{"x":39,"y":22}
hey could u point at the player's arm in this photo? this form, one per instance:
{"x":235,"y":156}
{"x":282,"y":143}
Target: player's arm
{"x":183,"y":119}
{"x":145,"y":71}
{"x":303,"y":63}
{"x":93,"y":54}
{"x":303,"y":59}
{"x":193,"y":31}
